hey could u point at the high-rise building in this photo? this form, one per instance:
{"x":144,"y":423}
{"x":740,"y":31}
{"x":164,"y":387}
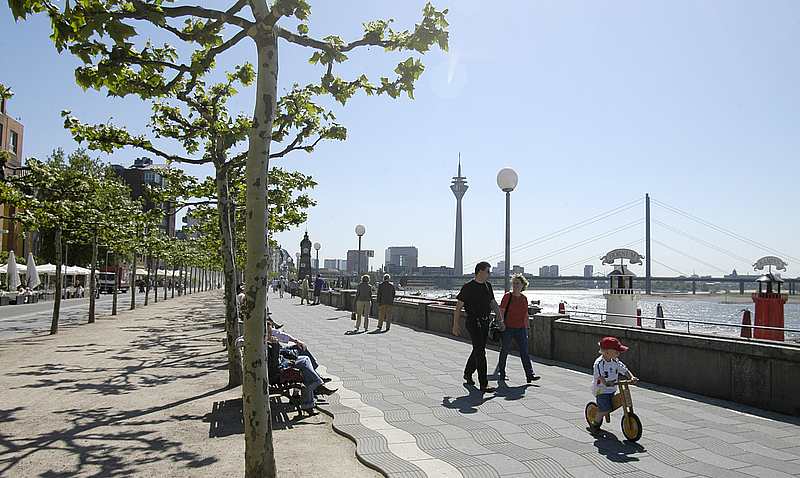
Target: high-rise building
{"x":144,"y":173}
{"x":501,"y":267}
{"x":354,"y":266}
{"x":401,"y":260}
{"x":459,"y":188}
{"x":588,"y":270}
{"x":517,"y":270}
{"x":11,"y":134}
{"x":548,"y":271}
{"x":331,"y":264}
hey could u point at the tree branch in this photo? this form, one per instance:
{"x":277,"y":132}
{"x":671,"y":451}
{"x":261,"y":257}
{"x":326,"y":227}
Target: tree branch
{"x":307,"y":41}
{"x":197,"y":11}
{"x":294,"y":147}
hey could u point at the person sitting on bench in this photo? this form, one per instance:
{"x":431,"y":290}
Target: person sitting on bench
{"x":277,"y":361}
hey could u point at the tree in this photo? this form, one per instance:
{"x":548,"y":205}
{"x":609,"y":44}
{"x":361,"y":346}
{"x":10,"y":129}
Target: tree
{"x":100,"y":32}
{"x":199,"y":123}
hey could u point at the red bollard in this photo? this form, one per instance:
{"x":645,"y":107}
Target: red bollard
{"x":562,"y":309}
{"x":746,"y":330}
{"x":638,"y":317}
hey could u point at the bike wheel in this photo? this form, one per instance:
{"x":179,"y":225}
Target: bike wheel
{"x":590,"y":413}
{"x":631,"y":427}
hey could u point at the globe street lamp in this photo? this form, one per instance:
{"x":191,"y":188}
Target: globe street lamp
{"x":317,"y":247}
{"x":507,"y":181}
{"x":360,"y":231}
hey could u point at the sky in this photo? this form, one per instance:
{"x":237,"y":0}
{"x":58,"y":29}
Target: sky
{"x":594,"y":104}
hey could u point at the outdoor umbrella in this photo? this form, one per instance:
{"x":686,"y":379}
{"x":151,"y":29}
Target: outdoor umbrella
{"x":13,"y":275}
{"x":33,"y":273}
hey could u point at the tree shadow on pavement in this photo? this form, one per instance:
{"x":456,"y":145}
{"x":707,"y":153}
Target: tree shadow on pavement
{"x":106,"y":442}
{"x":226,"y":417}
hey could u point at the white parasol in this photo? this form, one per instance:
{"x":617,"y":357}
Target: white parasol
{"x":13,"y":275}
{"x":33,"y":273}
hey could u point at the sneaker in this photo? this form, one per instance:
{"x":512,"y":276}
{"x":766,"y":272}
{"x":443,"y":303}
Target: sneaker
{"x":488,"y":389}
{"x":533,"y":378}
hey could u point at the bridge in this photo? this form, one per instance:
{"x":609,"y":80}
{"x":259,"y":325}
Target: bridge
{"x":658,"y":233}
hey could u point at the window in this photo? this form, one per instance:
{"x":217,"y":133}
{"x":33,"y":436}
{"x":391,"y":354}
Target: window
{"x":13,"y":140}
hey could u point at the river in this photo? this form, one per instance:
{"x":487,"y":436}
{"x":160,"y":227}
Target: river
{"x":702,"y":307}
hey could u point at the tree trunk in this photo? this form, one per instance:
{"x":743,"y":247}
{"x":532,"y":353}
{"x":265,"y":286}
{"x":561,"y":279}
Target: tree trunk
{"x":133,"y":282}
{"x":224,"y":211}
{"x":165,"y":280}
{"x":172,"y":288}
{"x":57,"y":298}
{"x":117,"y":271}
{"x":259,"y":451}
{"x":155,"y":282}
{"x":149,"y":262}
{"x":93,"y":280}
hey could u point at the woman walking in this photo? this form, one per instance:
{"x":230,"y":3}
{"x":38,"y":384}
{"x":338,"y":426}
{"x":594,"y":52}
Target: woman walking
{"x":515,"y":310}
{"x":363,"y":298}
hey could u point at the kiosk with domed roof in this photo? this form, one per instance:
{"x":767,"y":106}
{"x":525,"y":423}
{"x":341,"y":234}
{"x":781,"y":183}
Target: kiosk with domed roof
{"x":621,"y":298}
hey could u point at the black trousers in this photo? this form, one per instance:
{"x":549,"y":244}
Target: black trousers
{"x":478,"y":332}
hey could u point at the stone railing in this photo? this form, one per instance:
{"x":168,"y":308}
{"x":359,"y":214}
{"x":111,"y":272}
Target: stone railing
{"x":762,"y":374}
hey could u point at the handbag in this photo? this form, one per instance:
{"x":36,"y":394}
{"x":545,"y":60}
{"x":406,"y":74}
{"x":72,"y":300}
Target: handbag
{"x":495,"y":333}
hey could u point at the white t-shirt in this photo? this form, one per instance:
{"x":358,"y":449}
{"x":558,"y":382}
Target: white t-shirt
{"x":608,"y":370}
{"x":240,"y":299}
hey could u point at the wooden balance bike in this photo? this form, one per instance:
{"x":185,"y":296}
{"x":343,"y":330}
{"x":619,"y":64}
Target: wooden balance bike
{"x":630,"y":424}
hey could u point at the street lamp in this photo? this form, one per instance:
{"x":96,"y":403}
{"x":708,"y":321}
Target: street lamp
{"x":507,"y":181}
{"x":360,"y":231}
{"x":317,"y":247}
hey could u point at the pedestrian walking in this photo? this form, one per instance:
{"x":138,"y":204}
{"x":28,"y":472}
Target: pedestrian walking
{"x":477,"y":298}
{"x":281,"y":286}
{"x":304,"y":290}
{"x":363,"y":298}
{"x":660,"y":313}
{"x":515,"y":310}
{"x":318,"y":283}
{"x":386,"y":293}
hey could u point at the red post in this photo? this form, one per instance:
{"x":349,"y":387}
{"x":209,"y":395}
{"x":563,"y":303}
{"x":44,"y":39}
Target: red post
{"x":562,"y":309}
{"x":638,"y":317}
{"x":769,"y":313}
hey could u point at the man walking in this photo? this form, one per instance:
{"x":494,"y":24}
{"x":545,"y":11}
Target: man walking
{"x":386,"y":293}
{"x":319,"y":282}
{"x":304,"y":290}
{"x":477,"y":298}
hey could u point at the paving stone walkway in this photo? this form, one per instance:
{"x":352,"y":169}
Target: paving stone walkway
{"x":403,"y":402}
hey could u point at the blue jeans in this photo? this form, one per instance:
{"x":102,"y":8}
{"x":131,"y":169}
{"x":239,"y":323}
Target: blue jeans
{"x":520,"y":336}
{"x":310,"y":379}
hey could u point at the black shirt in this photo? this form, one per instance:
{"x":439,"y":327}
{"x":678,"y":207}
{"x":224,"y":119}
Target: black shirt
{"x":477,"y":299}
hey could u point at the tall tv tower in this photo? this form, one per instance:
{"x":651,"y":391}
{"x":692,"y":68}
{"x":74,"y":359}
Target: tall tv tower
{"x":459,"y":188}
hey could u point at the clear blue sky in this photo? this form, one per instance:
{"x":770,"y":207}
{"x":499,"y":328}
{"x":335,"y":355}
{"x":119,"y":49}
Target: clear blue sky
{"x":593,"y":103}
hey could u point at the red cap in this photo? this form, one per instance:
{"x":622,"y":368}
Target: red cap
{"x":612,"y":343}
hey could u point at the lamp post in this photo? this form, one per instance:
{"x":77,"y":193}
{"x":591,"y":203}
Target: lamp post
{"x":360,"y":231}
{"x":507,"y":181}
{"x":317,"y":247}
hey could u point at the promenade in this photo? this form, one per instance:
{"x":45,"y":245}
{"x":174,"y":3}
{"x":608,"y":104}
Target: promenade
{"x":143,"y":394}
{"x":402,"y":399}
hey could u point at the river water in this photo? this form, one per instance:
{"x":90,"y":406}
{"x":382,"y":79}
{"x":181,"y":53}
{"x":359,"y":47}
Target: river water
{"x":701,"y":307}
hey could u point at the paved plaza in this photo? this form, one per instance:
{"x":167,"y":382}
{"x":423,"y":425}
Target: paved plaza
{"x":403,"y":402}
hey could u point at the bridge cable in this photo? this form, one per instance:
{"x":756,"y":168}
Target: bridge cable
{"x":586,"y":222}
{"x":725,"y":231}
{"x":597,"y":256}
{"x":583,"y":242}
{"x":708,"y":264}
{"x":703,"y":242}
{"x":670,"y":268}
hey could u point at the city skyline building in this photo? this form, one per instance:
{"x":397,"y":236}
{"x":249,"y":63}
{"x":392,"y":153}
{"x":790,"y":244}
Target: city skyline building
{"x":401,"y":259}
{"x":137,"y":177}
{"x":588,"y":270}
{"x":459,"y":188}
{"x":11,"y":135}
{"x":353,"y":260}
